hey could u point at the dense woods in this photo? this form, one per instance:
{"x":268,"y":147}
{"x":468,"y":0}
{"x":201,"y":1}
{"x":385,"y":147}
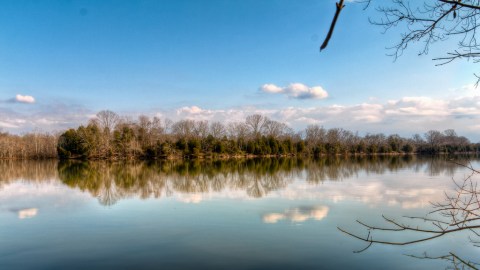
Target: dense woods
{"x":109,"y":136}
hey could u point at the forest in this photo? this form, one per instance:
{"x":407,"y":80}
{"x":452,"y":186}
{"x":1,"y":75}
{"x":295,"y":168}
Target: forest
{"x":110,"y":136}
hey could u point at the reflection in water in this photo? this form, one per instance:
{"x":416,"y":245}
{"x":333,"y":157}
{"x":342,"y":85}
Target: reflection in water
{"x":209,"y":212}
{"x":255,"y":178}
{"x":113,"y":181}
{"x":299,"y":214}
{"x":29,"y":170}
{"x":27,"y":213}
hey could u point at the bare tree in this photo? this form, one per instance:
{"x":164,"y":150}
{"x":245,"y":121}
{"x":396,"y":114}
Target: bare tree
{"x":426,"y":23}
{"x":433,"y":138}
{"x":107,"y":119}
{"x":238,"y":130}
{"x":314,"y":134}
{"x":256,"y":122}
{"x":274,"y":128}
{"x":183,"y":128}
{"x":144,"y":131}
{"x":217,"y":130}
{"x":200,"y":129}
{"x":159,"y":129}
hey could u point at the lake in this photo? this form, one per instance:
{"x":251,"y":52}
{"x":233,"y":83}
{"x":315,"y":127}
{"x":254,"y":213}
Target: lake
{"x":232,"y":214}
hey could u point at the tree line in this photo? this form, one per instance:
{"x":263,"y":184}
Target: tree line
{"x":29,"y":146}
{"x":110,"y":136}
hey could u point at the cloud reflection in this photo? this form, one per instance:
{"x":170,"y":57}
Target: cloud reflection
{"x":27,"y":213}
{"x":404,"y":182}
{"x":299,"y":214}
{"x":190,"y":198}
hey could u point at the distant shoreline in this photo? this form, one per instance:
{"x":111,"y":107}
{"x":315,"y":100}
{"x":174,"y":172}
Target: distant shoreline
{"x":111,"y":137}
{"x":244,"y":156}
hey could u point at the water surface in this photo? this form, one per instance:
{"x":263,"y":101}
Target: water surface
{"x":236,"y":214}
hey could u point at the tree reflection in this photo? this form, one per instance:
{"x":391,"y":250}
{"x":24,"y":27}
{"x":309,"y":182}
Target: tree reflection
{"x":29,"y":170}
{"x":113,"y":181}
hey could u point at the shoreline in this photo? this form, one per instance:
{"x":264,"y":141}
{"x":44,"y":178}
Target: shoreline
{"x":241,"y":156}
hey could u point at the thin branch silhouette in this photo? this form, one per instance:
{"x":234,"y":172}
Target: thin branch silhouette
{"x":459,"y":211}
{"x":339,"y":7}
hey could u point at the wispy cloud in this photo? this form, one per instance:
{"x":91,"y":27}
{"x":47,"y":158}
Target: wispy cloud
{"x":46,"y":117}
{"x":190,"y":110}
{"x":405,"y":115}
{"x":296,"y":90}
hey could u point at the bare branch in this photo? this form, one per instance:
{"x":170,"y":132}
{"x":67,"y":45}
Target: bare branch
{"x":339,"y":7}
{"x":428,"y":22}
{"x":458,"y":212}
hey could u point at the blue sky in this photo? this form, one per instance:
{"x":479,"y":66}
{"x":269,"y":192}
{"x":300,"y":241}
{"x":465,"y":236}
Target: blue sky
{"x":213,"y":60}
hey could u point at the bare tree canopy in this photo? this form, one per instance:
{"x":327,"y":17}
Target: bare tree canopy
{"x":107,"y":119}
{"x":428,"y":22}
{"x":256,"y":122}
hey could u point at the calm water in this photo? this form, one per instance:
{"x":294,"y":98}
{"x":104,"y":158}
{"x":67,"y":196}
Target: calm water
{"x":250,"y":214}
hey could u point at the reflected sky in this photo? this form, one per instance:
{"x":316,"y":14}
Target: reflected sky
{"x":299,"y":214}
{"x":27,"y":213}
{"x":241,"y":214}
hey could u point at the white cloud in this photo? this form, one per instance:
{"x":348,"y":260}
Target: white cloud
{"x":191,"y":110}
{"x":418,"y":106}
{"x":271,"y":88}
{"x":296,"y":90}
{"x":7,"y":125}
{"x":51,"y":117}
{"x":24,"y":99}
{"x":466,"y":90}
{"x":405,"y":115}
